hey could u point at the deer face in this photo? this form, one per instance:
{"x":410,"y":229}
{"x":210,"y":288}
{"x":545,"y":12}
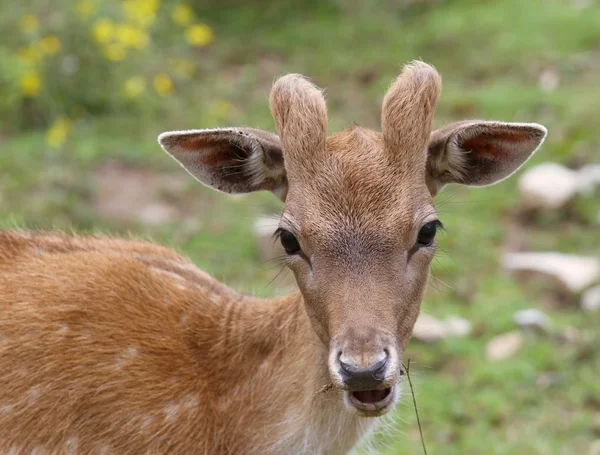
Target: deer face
{"x":359,"y":222}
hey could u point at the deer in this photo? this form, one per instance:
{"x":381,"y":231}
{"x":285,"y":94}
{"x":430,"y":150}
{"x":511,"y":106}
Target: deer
{"x":121,"y":346}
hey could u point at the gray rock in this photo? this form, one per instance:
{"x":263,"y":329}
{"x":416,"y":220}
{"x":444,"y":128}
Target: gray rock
{"x":504,"y":346}
{"x":589,"y":178}
{"x":532,"y":319}
{"x":458,"y":327}
{"x":548,"y":186}
{"x":430,"y":330}
{"x":595,"y":448}
{"x":590,"y":300}
{"x":572,"y":273}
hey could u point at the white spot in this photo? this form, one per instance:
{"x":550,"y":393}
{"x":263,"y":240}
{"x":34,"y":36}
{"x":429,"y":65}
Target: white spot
{"x":171,"y":411}
{"x":191,"y":402}
{"x":223,"y":403}
{"x":183,"y":320}
{"x":128,"y":355}
{"x":62,"y":331}
{"x":6,"y":408}
{"x":71,"y":445}
{"x":105,"y":450}
{"x":34,"y":393}
{"x":146,"y":421}
{"x":40,"y":251}
{"x":23,"y":372}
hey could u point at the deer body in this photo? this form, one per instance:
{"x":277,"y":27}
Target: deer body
{"x":170,"y":360}
{"x":120,"y":347}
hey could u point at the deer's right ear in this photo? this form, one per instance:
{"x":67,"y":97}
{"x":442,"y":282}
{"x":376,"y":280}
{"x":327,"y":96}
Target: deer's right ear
{"x":232,"y":160}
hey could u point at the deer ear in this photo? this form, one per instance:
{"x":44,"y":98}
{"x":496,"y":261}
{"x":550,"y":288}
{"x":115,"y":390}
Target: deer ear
{"x":232,"y":160}
{"x":478,"y":153}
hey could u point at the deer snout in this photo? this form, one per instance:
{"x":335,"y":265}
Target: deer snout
{"x":357,"y":377}
{"x":363,"y":362}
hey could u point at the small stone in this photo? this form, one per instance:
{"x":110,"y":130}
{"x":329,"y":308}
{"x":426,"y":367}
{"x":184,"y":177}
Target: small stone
{"x":570,"y":335}
{"x":589,"y":179}
{"x":504,"y":346}
{"x":458,"y":327}
{"x":532,"y":319}
{"x":548,"y":186}
{"x":549,"y":80}
{"x":590,"y":300}
{"x":429,"y":329}
{"x":157,"y":214}
{"x":547,"y":380}
{"x":570,"y":272}
{"x":595,"y":448}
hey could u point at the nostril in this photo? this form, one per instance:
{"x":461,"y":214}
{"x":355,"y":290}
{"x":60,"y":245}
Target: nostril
{"x":346,"y":366}
{"x":373,"y":370}
{"x":379,"y":366}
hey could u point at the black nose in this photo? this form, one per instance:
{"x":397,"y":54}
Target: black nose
{"x":363,"y":378}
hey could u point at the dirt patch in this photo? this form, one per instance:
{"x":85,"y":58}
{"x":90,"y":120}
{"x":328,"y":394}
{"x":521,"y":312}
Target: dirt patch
{"x":129,"y":195}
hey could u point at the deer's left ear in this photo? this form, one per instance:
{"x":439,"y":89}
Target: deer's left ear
{"x":479,"y":153}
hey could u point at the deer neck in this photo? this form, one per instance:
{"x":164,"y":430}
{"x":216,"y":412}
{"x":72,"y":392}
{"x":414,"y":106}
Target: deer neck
{"x":284,"y":363}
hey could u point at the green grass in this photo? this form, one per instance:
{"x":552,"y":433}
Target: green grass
{"x":491,"y":55}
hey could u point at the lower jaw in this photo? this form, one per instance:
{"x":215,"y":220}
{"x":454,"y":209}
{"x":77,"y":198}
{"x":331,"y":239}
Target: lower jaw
{"x":375,"y":409}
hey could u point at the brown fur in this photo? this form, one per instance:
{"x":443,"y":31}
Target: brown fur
{"x":121,"y":347}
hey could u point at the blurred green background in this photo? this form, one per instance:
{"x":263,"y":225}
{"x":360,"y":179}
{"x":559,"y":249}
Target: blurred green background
{"x":88,"y":85}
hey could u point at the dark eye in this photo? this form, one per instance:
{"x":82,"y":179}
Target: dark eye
{"x":288,"y":241}
{"x":427,"y":233}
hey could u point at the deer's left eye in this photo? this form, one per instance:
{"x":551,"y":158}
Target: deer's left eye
{"x":427,"y":233}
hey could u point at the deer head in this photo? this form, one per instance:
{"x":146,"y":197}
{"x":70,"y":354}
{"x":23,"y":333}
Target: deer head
{"x":359,"y":222}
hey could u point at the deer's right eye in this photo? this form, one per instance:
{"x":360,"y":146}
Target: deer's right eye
{"x":289,"y":242}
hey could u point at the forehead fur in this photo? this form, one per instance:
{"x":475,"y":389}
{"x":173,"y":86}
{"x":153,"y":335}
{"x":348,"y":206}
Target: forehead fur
{"x":357,"y":189}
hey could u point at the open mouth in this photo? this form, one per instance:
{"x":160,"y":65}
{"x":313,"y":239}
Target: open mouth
{"x":371,"y":401}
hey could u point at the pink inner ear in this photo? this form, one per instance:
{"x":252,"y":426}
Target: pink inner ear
{"x":192,"y":144}
{"x":501,"y":146}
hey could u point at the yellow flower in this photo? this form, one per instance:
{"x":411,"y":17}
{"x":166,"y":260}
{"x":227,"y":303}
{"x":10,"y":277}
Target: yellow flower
{"x":132,"y":36}
{"x":115,"y":52}
{"x":141,"y":12}
{"x":50,"y":44}
{"x":163,"y":84}
{"x":103,"y":31}
{"x":199,"y":35}
{"x":30,"y":55}
{"x":58,"y":132}
{"x":29,"y":24}
{"x":31,"y":84}
{"x":134,"y":86}
{"x":85,"y":8}
{"x":182,"y":15}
